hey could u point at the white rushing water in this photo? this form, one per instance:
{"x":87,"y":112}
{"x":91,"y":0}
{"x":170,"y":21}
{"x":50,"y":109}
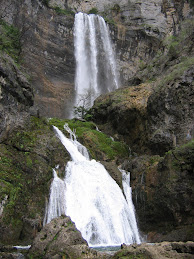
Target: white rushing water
{"x":92,"y":199}
{"x":96,"y":71}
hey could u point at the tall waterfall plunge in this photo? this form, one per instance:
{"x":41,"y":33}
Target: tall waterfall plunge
{"x":92,"y":199}
{"x":96,"y":71}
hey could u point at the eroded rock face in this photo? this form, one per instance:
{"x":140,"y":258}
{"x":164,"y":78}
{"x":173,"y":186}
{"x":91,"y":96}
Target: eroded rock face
{"x":16,"y":96}
{"x":28,"y":155}
{"x":137,"y":28}
{"x":60,"y":239}
{"x":163,"y":193}
{"x":47,"y":53}
{"x":170,"y":114}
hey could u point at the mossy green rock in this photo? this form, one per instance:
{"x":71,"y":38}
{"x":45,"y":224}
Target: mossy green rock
{"x":26,"y":161}
{"x":100,"y":146}
{"x":163,"y":189}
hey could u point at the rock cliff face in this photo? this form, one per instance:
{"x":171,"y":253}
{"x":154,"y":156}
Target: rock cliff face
{"x":47,"y":53}
{"x":47,"y":40}
{"x":153,"y":113}
{"x":154,"y":117}
{"x":16,"y":96}
{"x":28,"y":155}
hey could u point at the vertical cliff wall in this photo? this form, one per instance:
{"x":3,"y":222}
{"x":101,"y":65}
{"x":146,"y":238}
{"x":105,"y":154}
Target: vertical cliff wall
{"x":137,"y":29}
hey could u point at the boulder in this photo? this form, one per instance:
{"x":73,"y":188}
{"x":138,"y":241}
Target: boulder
{"x":61,"y":239}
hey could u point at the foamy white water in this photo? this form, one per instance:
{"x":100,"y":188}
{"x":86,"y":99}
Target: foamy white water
{"x":96,"y":71}
{"x":94,"y":201}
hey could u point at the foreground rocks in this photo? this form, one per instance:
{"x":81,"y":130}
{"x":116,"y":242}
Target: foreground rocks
{"x":61,"y":239}
{"x":72,"y":250}
{"x":157,"y":251}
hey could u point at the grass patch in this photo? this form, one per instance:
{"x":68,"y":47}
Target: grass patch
{"x":177,"y":71}
{"x":10,"y":40}
{"x":63,"y":11}
{"x":96,"y":142}
{"x":109,"y":21}
{"x":93,"y":11}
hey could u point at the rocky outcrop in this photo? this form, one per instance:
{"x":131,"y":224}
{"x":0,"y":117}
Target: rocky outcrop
{"x":170,"y":114}
{"x":16,"y":96}
{"x":28,"y":155}
{"x":157,"y":114}
{"x":61,"y":239}
{"x":164,"y":186}
{"x":123,"y":114}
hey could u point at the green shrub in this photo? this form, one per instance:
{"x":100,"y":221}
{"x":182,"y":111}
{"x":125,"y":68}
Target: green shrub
{"x":96,"y":142}
{"x":93,"y":11}
{"x":10,"y":40}
{"x":46,"y":2}
{"x":116,"y":8}
{"x":63,"y":11}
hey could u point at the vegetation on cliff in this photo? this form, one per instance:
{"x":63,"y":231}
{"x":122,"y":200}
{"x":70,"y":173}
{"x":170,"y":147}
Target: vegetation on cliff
{"x":99,"y":145}
{"x":26,"y":161}
{"x":154,"y":116}
{"x":10,"y":40}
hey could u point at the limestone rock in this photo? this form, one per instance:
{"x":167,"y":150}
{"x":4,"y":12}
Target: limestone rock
{"x":27,"y":158}
{"x":60,"y":239}
{"x":137,"y":30}
{"x":163,"y":194}
{"x":157,"y":251}
{"x":124,"y":112}
{"x":16,"y":96}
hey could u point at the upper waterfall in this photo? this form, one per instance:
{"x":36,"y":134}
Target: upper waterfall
{"x":96,"y":71}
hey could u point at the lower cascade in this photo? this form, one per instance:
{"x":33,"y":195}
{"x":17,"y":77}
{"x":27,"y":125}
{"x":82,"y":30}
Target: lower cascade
{"x":92,"y":199}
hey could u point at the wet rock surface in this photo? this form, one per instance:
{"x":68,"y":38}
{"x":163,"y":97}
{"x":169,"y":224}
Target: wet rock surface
{"x":60,"y":239}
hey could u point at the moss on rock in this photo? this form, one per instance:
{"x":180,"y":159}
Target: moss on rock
{"x":100,"y":146}
{"x":26,"y":161}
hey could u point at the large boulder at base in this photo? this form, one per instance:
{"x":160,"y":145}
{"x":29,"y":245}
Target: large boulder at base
{"x":61,"y":239}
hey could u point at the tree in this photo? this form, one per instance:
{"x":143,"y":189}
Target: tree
{"x":83,"y":108}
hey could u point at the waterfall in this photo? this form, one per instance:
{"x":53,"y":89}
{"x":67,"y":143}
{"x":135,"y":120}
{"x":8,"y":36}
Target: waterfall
{"x":56,"y":205}
{"x":93,"y":200}
{"x":96,"y":71}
